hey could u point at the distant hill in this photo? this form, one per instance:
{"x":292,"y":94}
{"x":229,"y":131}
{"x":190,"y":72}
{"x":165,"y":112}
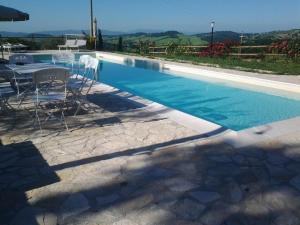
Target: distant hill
{"x":269,"y":37}
{"x":39,"y":35}
{"x":161,"y":38}
{"x":57,"y":33}
{"x":12,"y":34}
{"x":252,"y":38}
{"x":63,"y":32}
{"x":165,"y":38}
{"x":220,"y":36}
{"x":145,"y":31}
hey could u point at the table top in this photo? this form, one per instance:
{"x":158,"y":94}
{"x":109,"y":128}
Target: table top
{"x":32,"y":67}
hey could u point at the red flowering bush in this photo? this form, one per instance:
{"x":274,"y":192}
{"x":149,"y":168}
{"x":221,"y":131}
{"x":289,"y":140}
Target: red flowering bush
{"x":217,"y":49}
{"x":289,"y":47}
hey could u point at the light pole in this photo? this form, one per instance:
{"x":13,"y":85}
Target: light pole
{"x":91,"y":8}
{"x":212,"y":24}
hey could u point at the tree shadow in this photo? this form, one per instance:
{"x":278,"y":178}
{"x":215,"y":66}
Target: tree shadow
{"x":179,"y":183}
{"x":22,"y":168}
{"x":112,"y":102}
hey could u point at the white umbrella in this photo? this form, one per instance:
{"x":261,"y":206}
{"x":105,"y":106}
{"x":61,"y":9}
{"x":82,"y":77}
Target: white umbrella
{"x":10,"y":14}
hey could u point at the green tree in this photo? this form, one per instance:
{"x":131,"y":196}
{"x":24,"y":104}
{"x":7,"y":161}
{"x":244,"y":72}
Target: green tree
{"x":100,"y":46}
{"x":120,"y":44}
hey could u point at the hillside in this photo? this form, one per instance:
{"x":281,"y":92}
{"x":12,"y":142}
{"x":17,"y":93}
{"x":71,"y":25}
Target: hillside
{"x":165,"y":38}
{"x":57,"y":33}
{"x":162,"y":38}
{"x":269,"y":37}
{"x":220,"y":36}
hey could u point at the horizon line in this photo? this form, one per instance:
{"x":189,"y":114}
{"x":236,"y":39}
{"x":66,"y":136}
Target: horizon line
{"x":151,"y":32}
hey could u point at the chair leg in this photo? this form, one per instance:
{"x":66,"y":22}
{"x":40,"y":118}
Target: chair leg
{"x":64,"y":119}
{"x":37,"y":118}
{"x":78,"y":108}
{"x":7,"y":105}
{"x":3,"y":106}
{"x":21,"y":101}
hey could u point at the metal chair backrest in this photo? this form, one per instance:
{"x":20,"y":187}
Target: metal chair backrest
{"x":90,"y":64}
{"x":50,"y":75}
{"x":92,"y":74}
{"x":83,"y":59}
{"x":21,"y":58}
{"x":51,"y":80}
{"x":63,"y":57}
{"x":92,"y":67}
{"x":93,"y":63}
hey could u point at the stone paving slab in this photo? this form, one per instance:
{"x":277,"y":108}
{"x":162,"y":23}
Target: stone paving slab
{"x":121,"y":164}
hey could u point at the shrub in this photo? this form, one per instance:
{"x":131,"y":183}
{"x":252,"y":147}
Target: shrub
{"x":291,"y":48}
{"x":90,"y":44}
{"x":143,"y":47}
{"x":218,"y":49}
{"x":172,"y":48}
{"x":120,"y":44}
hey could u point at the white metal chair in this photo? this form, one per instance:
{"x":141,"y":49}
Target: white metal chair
{"x":80,"y":90}
{"x":64,"y":58}
{"x":51,"y":88}
{"x":21,"y":59}
{"x":81,"y":69}
{"x":22,"y":83}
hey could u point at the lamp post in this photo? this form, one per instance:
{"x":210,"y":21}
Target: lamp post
{"x":212,"y":24}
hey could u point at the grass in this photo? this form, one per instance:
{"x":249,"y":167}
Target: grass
{"x":273,"y":66}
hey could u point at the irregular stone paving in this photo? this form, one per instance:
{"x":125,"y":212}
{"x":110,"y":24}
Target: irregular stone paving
{"x":119,"y":165}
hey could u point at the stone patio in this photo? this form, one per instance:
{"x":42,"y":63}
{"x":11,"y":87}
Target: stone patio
{"x":121,"y":164}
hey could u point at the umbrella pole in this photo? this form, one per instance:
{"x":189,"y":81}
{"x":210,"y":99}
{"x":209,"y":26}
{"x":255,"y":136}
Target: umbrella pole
{"x":1,"y":46}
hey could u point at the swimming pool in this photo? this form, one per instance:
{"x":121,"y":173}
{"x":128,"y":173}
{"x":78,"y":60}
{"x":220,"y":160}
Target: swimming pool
{"x":232,"y":107}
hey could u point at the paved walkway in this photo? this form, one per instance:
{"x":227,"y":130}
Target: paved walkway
{"x":123,"y":165}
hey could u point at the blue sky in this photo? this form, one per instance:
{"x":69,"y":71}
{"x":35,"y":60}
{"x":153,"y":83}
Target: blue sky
{"x":182,"y":15}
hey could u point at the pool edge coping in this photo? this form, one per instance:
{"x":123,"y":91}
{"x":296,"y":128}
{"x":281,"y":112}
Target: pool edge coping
{"x":198,"y":70}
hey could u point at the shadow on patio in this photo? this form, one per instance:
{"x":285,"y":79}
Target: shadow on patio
{"x":108,"y":170}
{"x":22,"y":168}
{"x":207,"y":183}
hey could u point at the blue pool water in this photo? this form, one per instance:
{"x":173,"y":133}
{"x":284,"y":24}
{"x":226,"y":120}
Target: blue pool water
{"x":231,"y":107}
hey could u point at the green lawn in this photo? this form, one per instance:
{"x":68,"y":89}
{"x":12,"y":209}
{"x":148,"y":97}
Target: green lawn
{"x":279,"y":66}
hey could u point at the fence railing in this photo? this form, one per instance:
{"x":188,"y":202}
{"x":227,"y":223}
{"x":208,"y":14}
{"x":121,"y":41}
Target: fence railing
{"x":39,"y":42}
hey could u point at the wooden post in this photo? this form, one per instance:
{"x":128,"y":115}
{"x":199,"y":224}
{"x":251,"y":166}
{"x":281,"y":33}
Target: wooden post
{"x":241,"y":42}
